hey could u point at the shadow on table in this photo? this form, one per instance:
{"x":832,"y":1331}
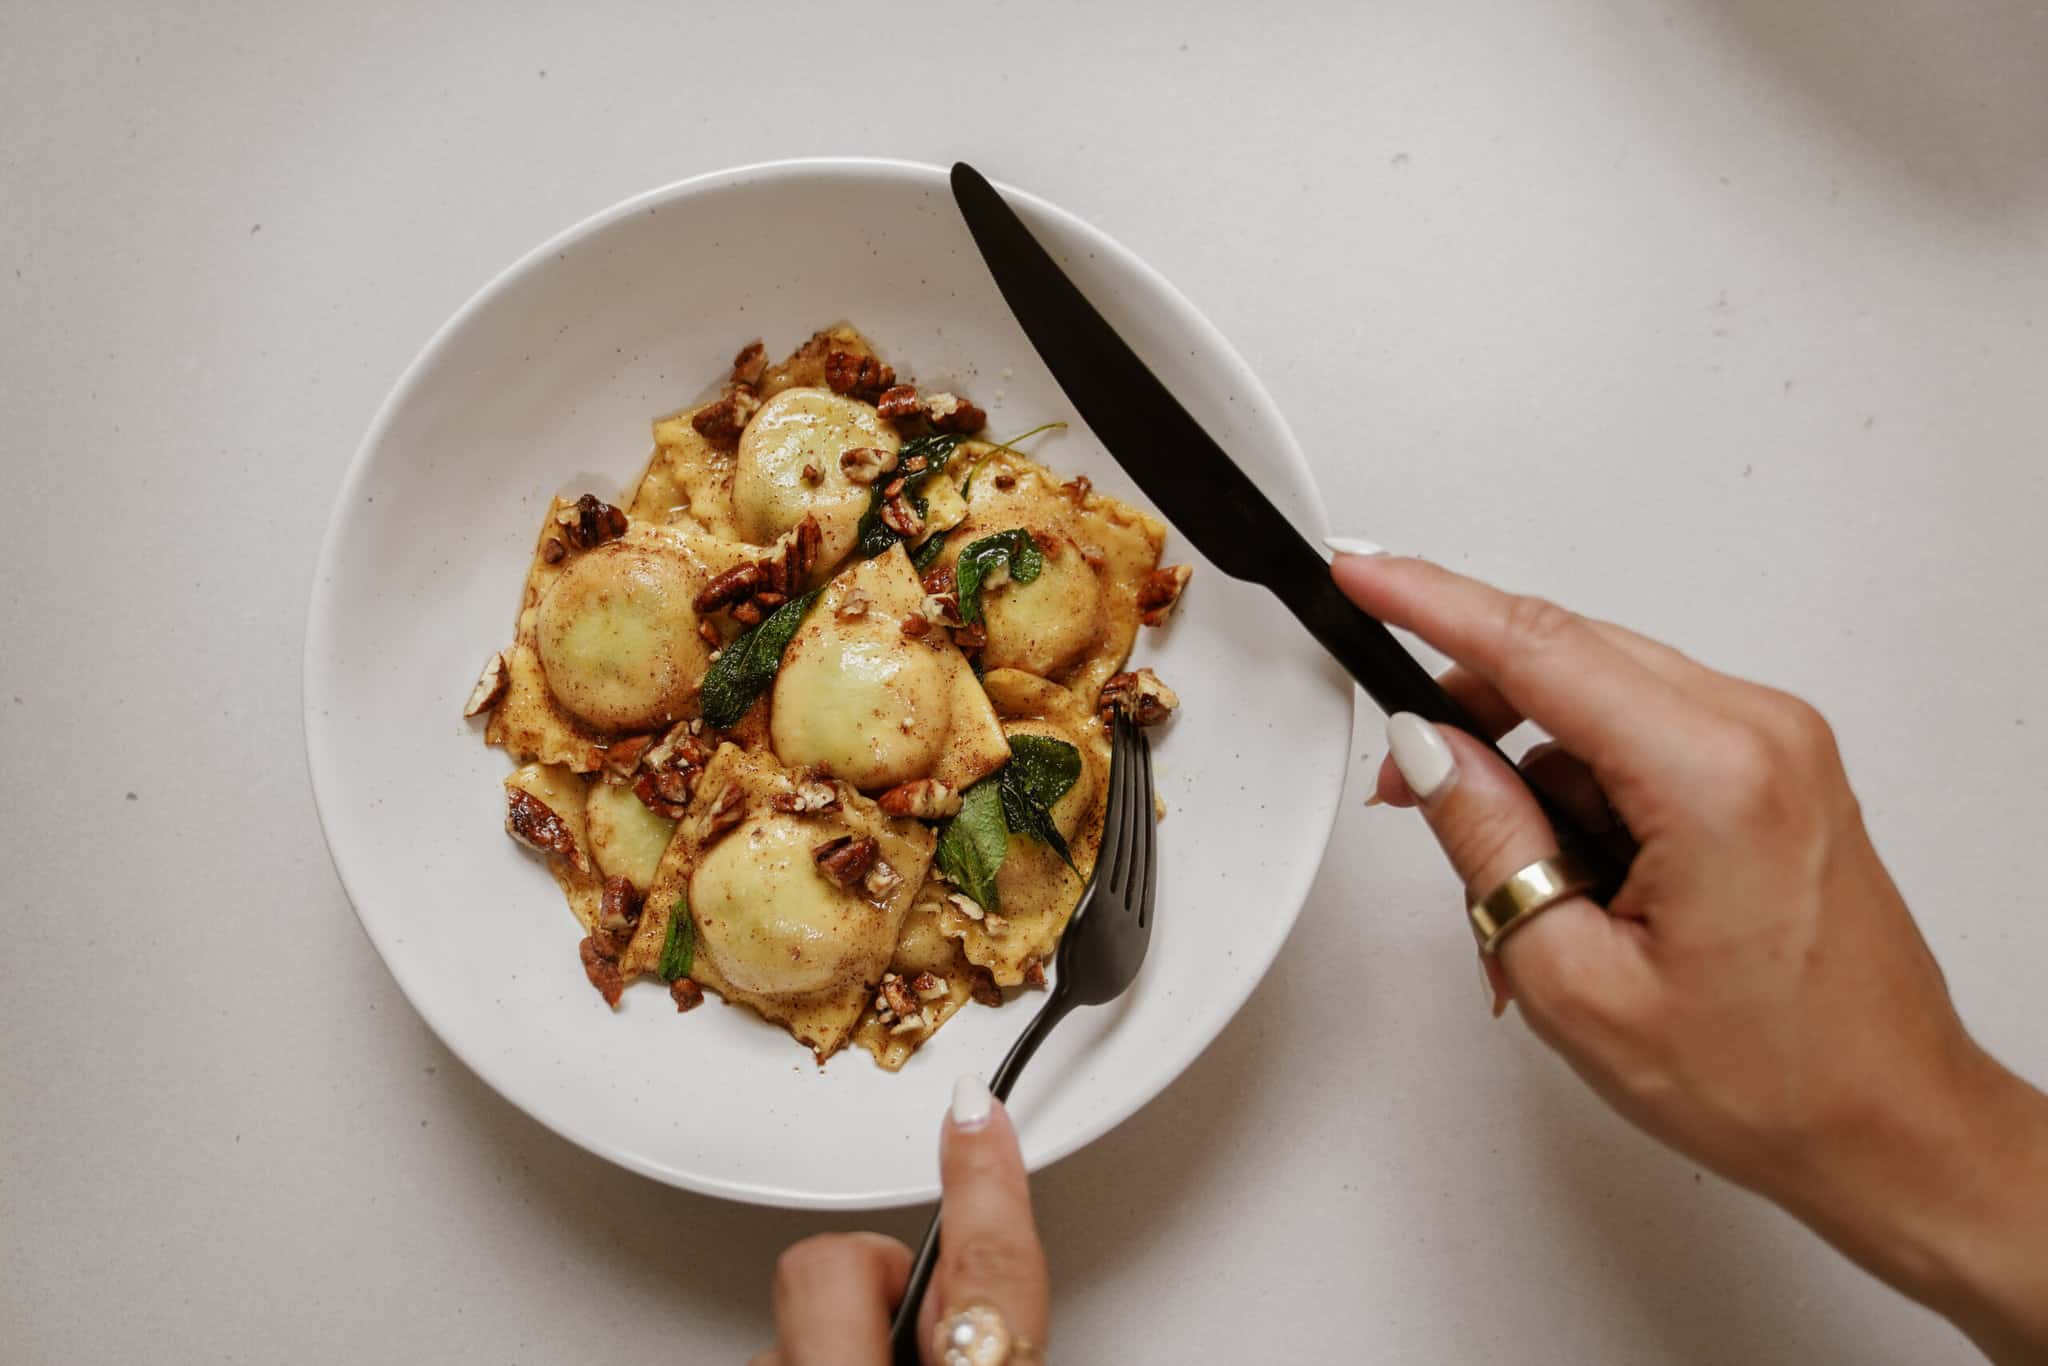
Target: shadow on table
{"x":1955,"y":95}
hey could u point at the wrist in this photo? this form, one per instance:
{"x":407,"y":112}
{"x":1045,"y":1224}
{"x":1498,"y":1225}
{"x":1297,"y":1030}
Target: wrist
{"x":1945,"y":1196}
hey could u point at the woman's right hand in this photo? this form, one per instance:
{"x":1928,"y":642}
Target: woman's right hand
{"x":1757,"y":994}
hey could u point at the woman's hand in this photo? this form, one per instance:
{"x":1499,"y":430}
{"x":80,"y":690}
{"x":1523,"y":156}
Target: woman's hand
{"x":836,"y":1293}
{"x":1757,"y":995}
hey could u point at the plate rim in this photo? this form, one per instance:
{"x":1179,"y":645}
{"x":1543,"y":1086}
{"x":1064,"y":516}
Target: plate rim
{"x":323,"y":612}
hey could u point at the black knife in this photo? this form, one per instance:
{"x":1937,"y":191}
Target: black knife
{"x":1199,"y":488}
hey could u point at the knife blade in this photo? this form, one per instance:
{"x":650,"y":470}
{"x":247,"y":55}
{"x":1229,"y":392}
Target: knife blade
{"x":1198,"y":487}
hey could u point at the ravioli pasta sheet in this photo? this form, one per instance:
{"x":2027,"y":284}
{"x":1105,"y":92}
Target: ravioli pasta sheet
{"x":813,"y":718}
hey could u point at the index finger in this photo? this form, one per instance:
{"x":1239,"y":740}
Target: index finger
{"x":988,"y":1244}
{"x":833,"y":1296}
{"x":1624,"y":719}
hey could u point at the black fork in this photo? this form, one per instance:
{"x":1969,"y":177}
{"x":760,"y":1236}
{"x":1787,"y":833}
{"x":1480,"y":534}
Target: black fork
{"x":1098,"y":958}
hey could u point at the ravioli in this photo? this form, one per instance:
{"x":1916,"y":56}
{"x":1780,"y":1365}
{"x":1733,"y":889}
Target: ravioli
{"x":746,"y":702}
{"x":860,"y":699}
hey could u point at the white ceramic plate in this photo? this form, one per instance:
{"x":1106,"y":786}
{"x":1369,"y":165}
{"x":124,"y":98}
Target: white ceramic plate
{"x":547,"y":381}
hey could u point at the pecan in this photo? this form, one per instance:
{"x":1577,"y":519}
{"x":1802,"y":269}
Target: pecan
{"x":928,"y":986}
{"x":790,"y":570}
{"x":847,"y":859}
{"x":619,"y":911}
{"x":746,"y":614}
{"x":857,"y":376}
{"x":901,"y":517}
{"x":982,"y":987}
{"x":896,"y":992}
{"x":940,"y":578}
{"x":1160,"y":591}
{"x":622,"y":758}
{"x":1006,"y":482}
{"x":942,"y":609}
{"x":740,"y":582}
{"x":899,"y":404}
{"x":966,"y":905}
{"x":768,"y":600}
{"x":853,"y":606}
{"x":811,"y":796}
{"x":994,"y":924}
{"x":1034,"y":974}
{"x":552,"y":550}
{"x":686,"y":994}
{"x":916,"y":627}
{"x":590,"y":521}
{"x":952,"y":413}
{"x":654,"y":799}
{"x":1139,"y":695}
{"x":490,"y":686}
{"x":726,"y":812}
{"x":927,"y":799}
{"x":971,"y":639}
{"x":915,"y":464}
{"x":1078,"y":488}
{"x":534,"y":824}
{"x":602,"y":972}
{"x":709,"y":634}
{"x":670,"y":771}
{"x":866,"y":464}
{"x":881,"y":880}
{"x":812,"y":476}
{"x":722,"y":422}
{"x":749,"y":364}
{"x":910,"y":1024}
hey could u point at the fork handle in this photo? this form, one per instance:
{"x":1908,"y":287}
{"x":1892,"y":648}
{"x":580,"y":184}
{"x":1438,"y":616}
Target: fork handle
{"x":903,"y":1345}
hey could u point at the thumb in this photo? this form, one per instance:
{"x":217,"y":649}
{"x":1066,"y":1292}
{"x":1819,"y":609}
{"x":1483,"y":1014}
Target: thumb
{"x":1573,"y":968}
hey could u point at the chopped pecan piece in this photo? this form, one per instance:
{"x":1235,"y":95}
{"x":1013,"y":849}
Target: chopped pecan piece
{"x":902,"y":517}
{"x":866,"y":464}
{"x":686,"y":994}
{"x":490,"y":686}
{"x":1034,"y":974}
{"x":942,"y":609}
{"x":881,"y":880}
{"x":726,"y":812}
{"x":619,"y":911}
{"x":1139,"y":695}
{"x":927,"y":799}
{"x":914,"y":1023}
{"x":981,"y":986}
{"x":534,"y":824}
{"x":649,"y":789}
{"x":847,"y":859}
{"x":853,"y":606}
{"x":899,"y":404}
{"x":721,"y":422}
{"x":709,"y":634}
{"x":928,"y":986}
{"x":602,"y":972}
{"x":590,"y":521}
{"x":952,"y":413}
{"x":790,"y":569}
{"x":897,"y":994}
{"x":940,"y":578}
{"x":552,"y":550}
{"x":748,"y":365}
{"x":810,"y":796}
{"x":768,"y":600}
{"x":995,"y":924}
{"x":966,"y":905}
{"x":971,"y":639}
{"x":746,"y":614}
{"x":622,"y":758}
{"x":812,"y":476}
{"x":857,"y":376}
{"x":1160,"y":591}
{"x":915,"y":464}
{"x":1078,"y":488}
{"x":1006,"y":481}
{"x":916,"y":627}
{"x":740,"y":582}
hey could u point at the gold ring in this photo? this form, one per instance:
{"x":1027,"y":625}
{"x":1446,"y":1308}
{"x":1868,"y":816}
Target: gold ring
{"x":976,"y":1334}
{"x":1527,"y":893}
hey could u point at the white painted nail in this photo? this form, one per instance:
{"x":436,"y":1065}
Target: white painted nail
{"x":1423,"y":756}
{"x":1353,"y":545}
{"x":971,"y":1102}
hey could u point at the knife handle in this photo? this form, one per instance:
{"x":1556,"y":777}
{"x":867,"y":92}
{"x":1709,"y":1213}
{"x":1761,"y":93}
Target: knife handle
{"x":1397,"y":682}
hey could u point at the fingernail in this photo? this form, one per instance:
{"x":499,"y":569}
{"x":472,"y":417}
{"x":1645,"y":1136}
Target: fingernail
{"x":971,"y":1103}
{"x":1353,"y":545}
{"x":1422,"y":754}
{"x":1375,"y":799}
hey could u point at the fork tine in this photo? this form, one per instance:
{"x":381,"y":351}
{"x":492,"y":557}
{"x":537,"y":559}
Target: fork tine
{"x":1122,"y":870}
{"x":1143,"y":817}
{"x":1112,"y":817}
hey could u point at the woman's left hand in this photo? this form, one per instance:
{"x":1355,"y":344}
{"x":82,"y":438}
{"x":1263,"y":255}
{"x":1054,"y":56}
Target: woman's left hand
{"x":836,"y":1293}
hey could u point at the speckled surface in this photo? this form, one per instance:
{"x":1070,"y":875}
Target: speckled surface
{"x":1721,"y":321}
